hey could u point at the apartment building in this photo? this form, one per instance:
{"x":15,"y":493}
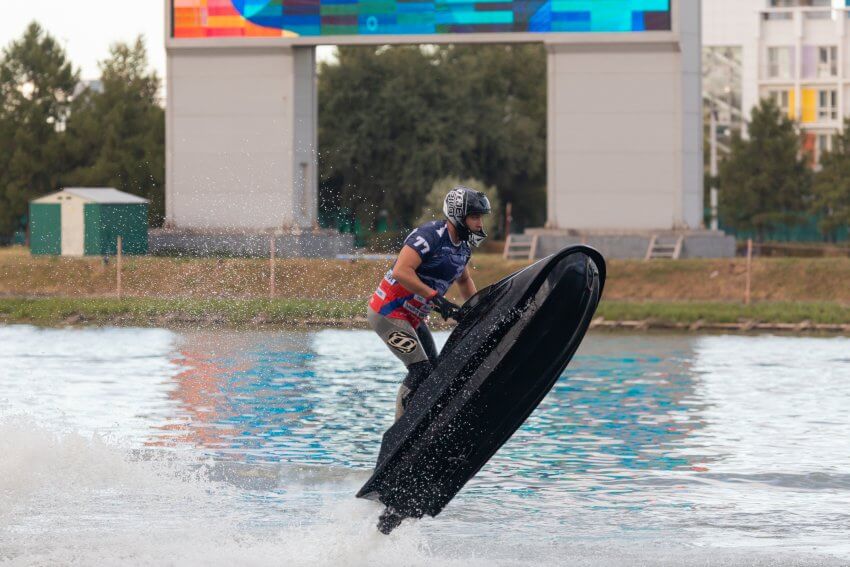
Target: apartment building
{"x":796,"y":52}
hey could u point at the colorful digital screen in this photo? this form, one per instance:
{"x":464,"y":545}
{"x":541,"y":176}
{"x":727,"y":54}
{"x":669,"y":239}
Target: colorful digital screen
{"x":295,"y":18}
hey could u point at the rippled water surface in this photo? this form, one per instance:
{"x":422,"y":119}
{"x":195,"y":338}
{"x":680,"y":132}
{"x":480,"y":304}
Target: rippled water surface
{"x":149,"y":446}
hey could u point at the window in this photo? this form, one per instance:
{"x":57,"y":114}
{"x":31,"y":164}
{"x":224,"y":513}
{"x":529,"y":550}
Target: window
{"x":779,"y":62}
{"x":782,"y":100}
{"x":827,"y":61}
{"x":820,"y":15}
{"x":827,"y":104}
{"x":803,"y":3}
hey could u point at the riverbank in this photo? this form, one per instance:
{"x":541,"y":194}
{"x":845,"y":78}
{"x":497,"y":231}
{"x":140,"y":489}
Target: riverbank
{"x":721,"y":280}
{"x":186,"y":312}
{"x":796,"y":294}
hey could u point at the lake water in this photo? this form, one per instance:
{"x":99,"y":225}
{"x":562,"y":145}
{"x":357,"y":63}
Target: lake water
{"x":151,"y":446}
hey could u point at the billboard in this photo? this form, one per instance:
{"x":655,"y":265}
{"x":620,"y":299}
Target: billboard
{"x":319,"y":18}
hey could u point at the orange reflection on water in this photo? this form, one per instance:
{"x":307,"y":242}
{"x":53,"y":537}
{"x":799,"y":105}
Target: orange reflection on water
{"x":201,"y":392}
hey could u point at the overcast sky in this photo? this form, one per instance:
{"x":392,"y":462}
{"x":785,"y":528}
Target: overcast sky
{"x":86,"y":28}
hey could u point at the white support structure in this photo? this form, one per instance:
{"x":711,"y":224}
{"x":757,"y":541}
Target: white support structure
{"x":624,"y":128}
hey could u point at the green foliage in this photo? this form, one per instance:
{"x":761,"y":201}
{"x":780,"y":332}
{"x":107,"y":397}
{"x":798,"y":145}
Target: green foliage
{"x":689,"y":312}
{"x":36,"y":84}
{"x":765,"y":181}
{"x":50,"y":138}
{"x":384,"y":130}
{"x":433,"y":208}
{"x":385,"y":242}
{"x":116,"y":138}
{"x":237,"y":312}
{"x":394,"y":120}
{"x":146,"y":311}
{"x":498,"y":94}
{"x":831,"y":189}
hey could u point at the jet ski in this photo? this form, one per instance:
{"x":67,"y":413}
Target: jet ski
{"x":514,"y":340}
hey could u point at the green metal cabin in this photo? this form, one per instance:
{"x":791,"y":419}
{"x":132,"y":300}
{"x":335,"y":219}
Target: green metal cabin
{"x":87,"y":222}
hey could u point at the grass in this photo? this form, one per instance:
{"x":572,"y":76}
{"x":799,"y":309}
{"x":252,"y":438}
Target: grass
{"x":141,"y":311}
{"x":825,"y":313}
{"x":723,"y":280}
{"x":239,"y":312}
{"x":164,"y":291}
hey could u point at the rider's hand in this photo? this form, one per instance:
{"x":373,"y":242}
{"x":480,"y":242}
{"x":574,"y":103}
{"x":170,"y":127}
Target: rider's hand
{"x":445,"y":308}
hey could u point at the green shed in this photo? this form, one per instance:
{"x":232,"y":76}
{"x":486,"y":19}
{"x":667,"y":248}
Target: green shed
{"x":87,"y":221}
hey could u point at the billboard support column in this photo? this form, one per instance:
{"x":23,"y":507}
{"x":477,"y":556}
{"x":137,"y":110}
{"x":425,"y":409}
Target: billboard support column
{"x":305,"y":199}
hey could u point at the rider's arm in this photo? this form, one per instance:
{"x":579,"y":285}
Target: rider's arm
{"x":405,"y":272}
{"x":466,"y":285}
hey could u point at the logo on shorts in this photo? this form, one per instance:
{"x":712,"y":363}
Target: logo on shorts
{"x":402,"y":342}
{"x":420,"y":312}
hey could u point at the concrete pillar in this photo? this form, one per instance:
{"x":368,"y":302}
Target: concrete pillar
{"x":691,"y":208}
{"x":625,"y":130}
{"x":241,"y":138}
{"x":305,"y":136}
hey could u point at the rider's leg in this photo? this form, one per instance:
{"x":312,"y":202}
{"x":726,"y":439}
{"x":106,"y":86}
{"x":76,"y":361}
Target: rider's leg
{"x":404,"y":342}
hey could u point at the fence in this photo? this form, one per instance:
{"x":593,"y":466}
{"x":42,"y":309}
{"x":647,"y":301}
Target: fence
{"x":807,"y":231}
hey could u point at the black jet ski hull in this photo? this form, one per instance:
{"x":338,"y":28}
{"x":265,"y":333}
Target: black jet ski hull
{"x":516,"y":338}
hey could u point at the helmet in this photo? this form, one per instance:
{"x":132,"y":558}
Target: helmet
{"x":462,"y":202}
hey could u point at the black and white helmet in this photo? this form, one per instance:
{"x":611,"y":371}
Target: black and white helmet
{"x":462,"y":202}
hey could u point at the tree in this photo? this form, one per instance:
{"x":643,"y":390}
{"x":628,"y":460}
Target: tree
{"x":384,"y":130}
{"x":116,"y":137}
{"x":36,"y":85}
{"x":765,"y":181}
{"x":498,"y":95}
{"x":394,"y":120}
{"x":831,"y":189}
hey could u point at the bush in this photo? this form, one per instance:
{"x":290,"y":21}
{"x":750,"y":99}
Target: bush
{"x":385,"y":242}
{"x":433,"y":209}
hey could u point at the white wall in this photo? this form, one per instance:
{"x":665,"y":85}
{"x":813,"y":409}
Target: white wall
{"x":73,"y":226}
{"x":613,"y":137}
{"x":236,"y":126}
{"x":625,"y":132}
{"x":730,"y":22}
{"x":72,"y":222}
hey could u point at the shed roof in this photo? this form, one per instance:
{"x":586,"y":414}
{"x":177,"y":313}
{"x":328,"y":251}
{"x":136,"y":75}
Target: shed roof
{"x":104,"y":195}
